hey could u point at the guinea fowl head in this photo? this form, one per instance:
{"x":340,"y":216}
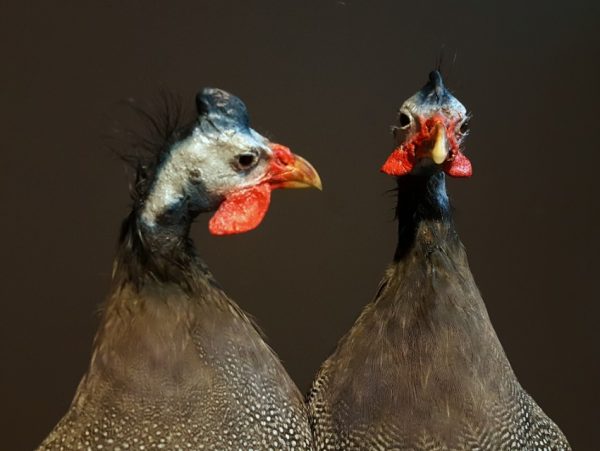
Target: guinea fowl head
{"x":431,"y":127}
{"x":222,"y":164}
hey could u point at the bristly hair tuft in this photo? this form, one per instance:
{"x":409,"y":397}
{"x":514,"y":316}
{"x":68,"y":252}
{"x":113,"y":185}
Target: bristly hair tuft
{"x":444,"y":66}
{"x":143,"y":146}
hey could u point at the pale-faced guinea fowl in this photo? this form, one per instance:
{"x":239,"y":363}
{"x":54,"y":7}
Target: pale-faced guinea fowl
{"x":422,"y":368}
{"x":176,"y":364}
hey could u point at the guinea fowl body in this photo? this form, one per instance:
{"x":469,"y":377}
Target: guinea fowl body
{"x":422,"y":367}
{"x":181,"y":367}
{"x":176,"y":364}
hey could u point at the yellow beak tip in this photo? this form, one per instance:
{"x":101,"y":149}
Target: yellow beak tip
{"x":317,"y":183}
{"x":439,"y":153}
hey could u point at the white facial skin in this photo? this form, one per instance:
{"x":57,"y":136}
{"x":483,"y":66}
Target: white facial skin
{"x":418,"y":106}
{"x":219,"y":163}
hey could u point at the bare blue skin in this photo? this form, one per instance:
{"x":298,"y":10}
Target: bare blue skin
{"x":176,"y":364}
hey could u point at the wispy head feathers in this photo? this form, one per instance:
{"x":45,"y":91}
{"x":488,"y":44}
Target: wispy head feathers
{"x":444,"y":64}
{"x":144,"y":146}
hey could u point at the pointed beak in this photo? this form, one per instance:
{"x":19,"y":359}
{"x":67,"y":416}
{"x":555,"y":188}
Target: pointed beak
{"x":440,"y":150}
{"x":453,"y":163}
{"x":300,"y":174}
{"x":289,"y":170}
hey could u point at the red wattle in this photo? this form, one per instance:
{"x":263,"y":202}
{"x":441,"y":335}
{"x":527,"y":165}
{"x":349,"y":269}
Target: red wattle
{"x":241,"y":211}
{"x":460,"y":166}
{"x":398,"y":163}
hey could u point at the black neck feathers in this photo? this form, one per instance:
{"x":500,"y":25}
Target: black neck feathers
{"x":162,"y":253}
{"x":421,"y":199}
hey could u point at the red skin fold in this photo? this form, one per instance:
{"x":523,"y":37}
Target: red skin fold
{"x":403,"y":158}
{"x":282,"y":153}
{"x":243,"y":210}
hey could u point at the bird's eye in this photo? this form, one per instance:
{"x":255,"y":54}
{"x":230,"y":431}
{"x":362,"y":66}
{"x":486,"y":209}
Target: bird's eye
{"x":464,"y":127}
{"x":404,"y":120}
{"x":246,"y":160}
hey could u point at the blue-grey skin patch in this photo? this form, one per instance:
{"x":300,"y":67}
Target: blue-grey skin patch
{"x":430,"y":100}
{"x":203,"y":167}
{"x":435,"y":98}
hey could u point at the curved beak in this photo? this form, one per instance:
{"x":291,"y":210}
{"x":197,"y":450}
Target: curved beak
{"x":440,"y":150}
{"x":453,"y":162}
{"x":436,"y":146}
{"x":289,"y":170}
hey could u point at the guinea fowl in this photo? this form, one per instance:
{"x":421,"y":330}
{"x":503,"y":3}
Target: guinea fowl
{"x":176,"y":364}
{"x":422,"y":368}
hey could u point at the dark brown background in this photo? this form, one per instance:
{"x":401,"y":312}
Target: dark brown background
{"x":324,"y":77}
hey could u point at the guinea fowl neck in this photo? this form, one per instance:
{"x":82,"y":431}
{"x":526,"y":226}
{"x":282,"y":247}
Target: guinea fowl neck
{"x":159,"y":252}
{"x":161,"y":289}
{"x":422,"y":203}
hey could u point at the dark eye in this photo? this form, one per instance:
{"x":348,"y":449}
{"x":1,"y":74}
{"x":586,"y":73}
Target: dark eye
{"x":246,"y":160}
{"x":464,"y":127}
{"x":404,"y":120}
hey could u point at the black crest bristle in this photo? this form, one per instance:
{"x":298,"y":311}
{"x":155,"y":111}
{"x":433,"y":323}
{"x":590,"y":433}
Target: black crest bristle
{"x":444,"y":64}
{"x":143,"y":146}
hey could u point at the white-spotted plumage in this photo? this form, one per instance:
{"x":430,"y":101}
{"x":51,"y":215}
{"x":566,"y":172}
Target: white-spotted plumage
{"x":176,"y":364}
{"x":422,"y":367}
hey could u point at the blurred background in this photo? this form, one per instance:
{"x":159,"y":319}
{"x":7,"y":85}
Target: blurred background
{"x":325,"y":78}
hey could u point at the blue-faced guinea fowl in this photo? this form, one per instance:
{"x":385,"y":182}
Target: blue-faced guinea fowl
{"x":176,"y":364}
{"x":422,"y":367}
